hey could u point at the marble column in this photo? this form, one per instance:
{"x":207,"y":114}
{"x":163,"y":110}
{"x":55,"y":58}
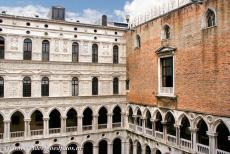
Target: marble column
{"x":46,"y":127}
{"x":27,"y":128}
{"x":63,"y":125}
{"x":153,"y":126}
{"x":124,"y":120}
{"x":6,"y":135}
{"x":194,"y":139}
{"x":79,"y":120}
{"x":123,"y":147}
{"x":110,"y":148}
{"x":110,"y":120}
{"x":135,"y":148}
{"x":164,"y":123}
{"x":95,"y":122}
{"x":177,"y":127}
{"x":212,"y":141}
{"x":95,"y":149}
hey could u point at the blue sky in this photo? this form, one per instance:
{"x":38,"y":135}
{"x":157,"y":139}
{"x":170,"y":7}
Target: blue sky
{"x":90,"y":11}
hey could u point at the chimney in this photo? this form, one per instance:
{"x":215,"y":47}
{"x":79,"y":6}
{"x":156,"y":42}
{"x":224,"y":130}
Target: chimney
{"x":58,"y":13}
{"x":104,"y":20}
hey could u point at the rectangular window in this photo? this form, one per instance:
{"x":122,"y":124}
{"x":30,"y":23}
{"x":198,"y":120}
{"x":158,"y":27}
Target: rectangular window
{"x":1,"y":88}
{"x":167,"y":72}
{"x":127,"y":84}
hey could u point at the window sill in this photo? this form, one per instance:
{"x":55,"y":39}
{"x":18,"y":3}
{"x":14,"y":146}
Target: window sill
{"x":166,"y":96}
{"x":206,"y":28}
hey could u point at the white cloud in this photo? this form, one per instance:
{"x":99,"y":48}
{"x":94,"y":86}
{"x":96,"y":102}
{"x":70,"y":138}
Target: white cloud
{"x":88,"y":15}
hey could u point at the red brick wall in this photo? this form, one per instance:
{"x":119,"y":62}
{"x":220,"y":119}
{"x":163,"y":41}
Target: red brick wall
{"x":202,"y":59}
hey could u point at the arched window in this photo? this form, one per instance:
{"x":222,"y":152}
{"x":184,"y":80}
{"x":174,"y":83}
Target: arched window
{"x":27,"y":49}
{"x":210,"y":18}
{"x":75,"y":86}
{"x":202,"y":136}
{"x":223,"y":133}
{"x":115,"y":54}
{"x":26,"y":87}
{"x":45,"y":50}
{"x":95,"y":53}
{"x":167,"y":32}
{"x":115,"y":86}
{"x":95,"y":86}
{"x":45,"y":86}
{"x":138,"y":41}
{"x":1,"y":87}
{"x":2,"y":47}
{"x":36,"y":122}
{"x":75,"y":52}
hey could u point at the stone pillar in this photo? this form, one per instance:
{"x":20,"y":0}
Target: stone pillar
{"x":95,"y":150}
{"x":63,"y":125}
{"x":153,"y":126}
{"x":95,"y":122}
{"x":123,"y":147}
{"x":110,"y":120}
{"x":135,"y":148}
{"x":127,"y":147}
{"x":27,"y":128}
{"x":143,"y":124}
{"x":6,"y":134}
{"x":177,"y":127}
{"x":194,"y":139}
{"x":45,"y":127}
{"x":110,"y":148}
{"x":212,"y":141}
{"x":164,"y":123}
{"x":124,"y":120}
{"x":135,"y":122}
{"x":79,"y":120}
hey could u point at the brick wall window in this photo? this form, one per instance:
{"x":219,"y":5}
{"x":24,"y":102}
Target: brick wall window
{"x":167,"y":72}
{"x":1,"y":87}
{"x":95,"y":53}
{"x":115,"y":86}
{"x":210,"y":18}
{"x":127,"y":84}
{"x":95,"y":86}
{"x":75,"y":52}
{"x":45,"y":50}
{"x":75,"y":86}
{"x":26,"y":87}
{"x":45,"y":86}
{"x":115,"y":54}
{"x":167,"y":32}
{"x":2,"y":47}
{"x":27,"y":49}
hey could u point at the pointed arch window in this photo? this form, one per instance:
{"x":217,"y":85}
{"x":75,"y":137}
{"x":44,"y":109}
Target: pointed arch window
{"x":27,"y":49}
{"x":2,"y":47}
{"x":1,"y":87}
{"x":75,"y":52}
{"x":45,"y":86}
{"x":75,"y":86}
{"x":115,"y":54}
{"x":26,"y":87}
{"x":210,"y":18}
{"x":95,"y":86}
{"x":45,"y":50}
{"x":95,"y":53}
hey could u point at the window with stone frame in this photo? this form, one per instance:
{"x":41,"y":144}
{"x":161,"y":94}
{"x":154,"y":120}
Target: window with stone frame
{"x":95,"y":86}
{"x":27,"y":49}
{"x":45,"y":86}
{"x":75,"y":52}
{"x":75,"y":86}
{"x":210,"y":18}
{"x":26,"y":87}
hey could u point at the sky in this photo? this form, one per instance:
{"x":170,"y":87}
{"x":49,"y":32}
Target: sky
{"x":86,"y":11}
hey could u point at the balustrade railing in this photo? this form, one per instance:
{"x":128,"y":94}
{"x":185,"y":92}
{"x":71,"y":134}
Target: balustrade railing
{"x":159,"y":135}
{"x":36,"y":132}
{"x":171,"y":139}
{"x":54,"y":130}
{"x":102,"y":126}
{"x":87,"y":127}
{"x":17,"y":134}
{"x":140,"y":128}
{"x":148,"y":131}
{"x":71,"y":129}
{"x":218,"y":151}
{"x":202,"y":148}
{"x":186,"y":144}
{"x":131,"y":126}
{"x":117,"y":124}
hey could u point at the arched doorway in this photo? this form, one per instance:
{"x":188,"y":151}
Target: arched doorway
{"x":102,"y":118}
{"x":17,"y":125}
{"x":87,"y":119}
{"x":88,"y":148}
{"x":117,"y":117}
{"x":117,"y":146}
{"x":139,"y":148}
{"x":103,"y":147}
{"x":36,"y":123}
{"x":54,"y":122}
{"x":223,"y":142}
{"x":72,"y":149}
{"x":202,"y":136}
{"x":71,"y":121}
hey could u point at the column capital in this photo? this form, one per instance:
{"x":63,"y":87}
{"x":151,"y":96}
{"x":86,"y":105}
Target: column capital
{"x":46,"y":118}
{"x":163,"y":122}
{"x":7,"y":121}
{"x":194,"y":130}
{"x":96,"y":115}
{"x":27,"y":120}
{"x":212,"y":134}
{"x":153,"y":120}
{"x":109,"y":114}
{"x":177,"y":126}
{"x":80,"y":116}
{"x":64,"y":117}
